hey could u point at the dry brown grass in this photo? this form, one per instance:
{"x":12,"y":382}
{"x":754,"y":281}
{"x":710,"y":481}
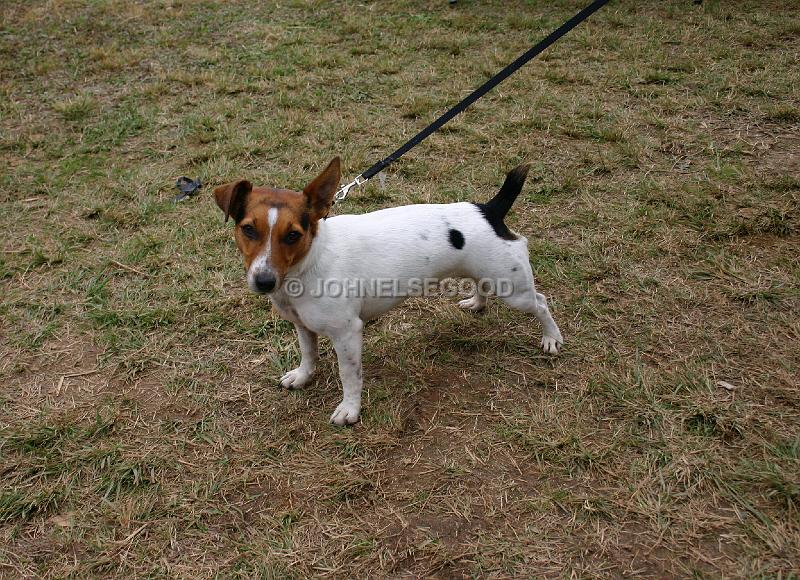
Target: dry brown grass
{"x":141,"y":432}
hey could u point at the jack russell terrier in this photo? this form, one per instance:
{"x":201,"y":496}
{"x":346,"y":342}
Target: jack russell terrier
{"x":285,"y":236}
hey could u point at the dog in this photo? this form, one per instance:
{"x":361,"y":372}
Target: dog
{"x":290,"y":246}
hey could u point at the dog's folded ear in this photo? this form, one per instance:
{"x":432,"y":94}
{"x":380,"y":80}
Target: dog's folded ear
{"x":319,"y":193}
{"x":231,"y":198}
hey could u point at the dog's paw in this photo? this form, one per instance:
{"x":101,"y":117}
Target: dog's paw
{"x":345,"y":414}
{"x":473,"y":304}
{"x":295,"y":379}
{"x":550,"y":344}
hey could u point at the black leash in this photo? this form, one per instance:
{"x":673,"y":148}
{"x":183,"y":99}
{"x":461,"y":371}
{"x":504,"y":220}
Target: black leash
{"x":472,"y":97}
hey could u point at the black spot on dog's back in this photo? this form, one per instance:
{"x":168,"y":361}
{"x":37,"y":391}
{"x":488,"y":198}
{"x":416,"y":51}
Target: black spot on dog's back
{"x":456,"y":239}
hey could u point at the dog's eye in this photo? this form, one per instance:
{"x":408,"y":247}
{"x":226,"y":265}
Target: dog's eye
{"x":292,"y":237}
{"x":250,"y":232}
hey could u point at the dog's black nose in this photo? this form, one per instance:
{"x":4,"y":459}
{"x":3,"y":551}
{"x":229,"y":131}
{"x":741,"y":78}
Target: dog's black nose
{"x":265,"y":282}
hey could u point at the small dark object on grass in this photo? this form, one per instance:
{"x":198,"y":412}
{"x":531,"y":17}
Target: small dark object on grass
{"x":187,"y":187}
{"x":698,"y":2}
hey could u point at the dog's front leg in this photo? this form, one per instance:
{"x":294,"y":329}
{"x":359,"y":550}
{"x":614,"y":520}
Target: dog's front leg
{"x":347,"y":343}
{"x":309,"y":354}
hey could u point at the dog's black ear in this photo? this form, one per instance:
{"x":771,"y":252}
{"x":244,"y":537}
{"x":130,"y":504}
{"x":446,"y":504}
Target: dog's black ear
{"x":319,"y":192}
{"x":231,"y":198}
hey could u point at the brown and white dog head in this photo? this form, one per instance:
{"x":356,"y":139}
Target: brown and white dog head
{"x":275,"y":227}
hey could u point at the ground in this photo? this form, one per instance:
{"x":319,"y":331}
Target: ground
{"x":141,"y":430}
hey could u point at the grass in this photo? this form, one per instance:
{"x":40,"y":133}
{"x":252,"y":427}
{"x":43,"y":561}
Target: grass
{"x":141,"y":432}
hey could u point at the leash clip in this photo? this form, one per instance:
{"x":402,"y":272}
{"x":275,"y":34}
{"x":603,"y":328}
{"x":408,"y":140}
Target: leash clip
{"x":345,"y":189}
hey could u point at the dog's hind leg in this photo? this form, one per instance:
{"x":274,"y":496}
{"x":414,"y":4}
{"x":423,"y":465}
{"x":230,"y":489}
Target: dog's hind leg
{"x":474,"y":303}
{"x":528,"y":300}
{"x":513,"y":280}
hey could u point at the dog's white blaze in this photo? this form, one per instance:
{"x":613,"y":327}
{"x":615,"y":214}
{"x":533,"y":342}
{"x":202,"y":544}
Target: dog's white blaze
{"x":261,"y":262}
{"x":272,"y":219}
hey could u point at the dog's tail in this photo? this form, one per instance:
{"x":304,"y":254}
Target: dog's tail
{"x":496,"y":209}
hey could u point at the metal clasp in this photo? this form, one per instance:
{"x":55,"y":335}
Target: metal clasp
{"x":345,"y":189}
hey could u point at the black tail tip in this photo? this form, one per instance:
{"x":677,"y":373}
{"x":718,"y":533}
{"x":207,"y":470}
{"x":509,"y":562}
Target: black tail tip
{"x":519,"y":173}
{"x":512,"y":186}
